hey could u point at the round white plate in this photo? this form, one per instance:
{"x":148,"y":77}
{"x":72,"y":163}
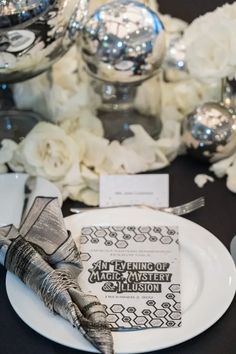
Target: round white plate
{"x":12,"y":195}
{"x":208,"y":285}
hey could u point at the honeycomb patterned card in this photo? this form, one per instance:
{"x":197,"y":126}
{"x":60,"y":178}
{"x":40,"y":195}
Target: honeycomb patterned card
{"x":135,"y":273}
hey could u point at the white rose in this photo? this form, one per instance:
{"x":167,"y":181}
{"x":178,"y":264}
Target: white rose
{"x":228,"y":11}
{"x":210,"y":55}
{"x":210,"y":45}
{"x":48,"y":152}
{"x":7,"y":150}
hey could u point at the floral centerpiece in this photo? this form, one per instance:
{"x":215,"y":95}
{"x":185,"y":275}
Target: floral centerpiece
{"x":70,"y":150}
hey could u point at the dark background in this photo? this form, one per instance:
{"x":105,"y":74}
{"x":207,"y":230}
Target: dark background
{"x":189,"y":9}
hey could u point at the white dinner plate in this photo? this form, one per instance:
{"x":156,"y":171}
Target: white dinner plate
{"x":208,"y":279}
{"x":12,"y":195}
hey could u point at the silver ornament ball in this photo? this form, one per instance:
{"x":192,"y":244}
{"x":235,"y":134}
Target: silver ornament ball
{"x":209,"y":133}
{"x":124,"y":42}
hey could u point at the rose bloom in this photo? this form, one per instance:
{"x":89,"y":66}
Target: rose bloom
{"x":48,"y":152}
{"x":209,"y":56}
{"x":210,"y":45}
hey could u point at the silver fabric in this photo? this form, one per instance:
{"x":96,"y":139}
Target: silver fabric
{"x":44,"y":256}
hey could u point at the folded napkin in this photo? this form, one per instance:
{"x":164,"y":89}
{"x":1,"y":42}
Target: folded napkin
{"x":44,"y":256}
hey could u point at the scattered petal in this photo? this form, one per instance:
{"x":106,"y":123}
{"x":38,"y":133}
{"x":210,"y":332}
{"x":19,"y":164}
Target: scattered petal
{"x":220,"y":168}
{"x":7,"y":150}
{"x":202,"y":179}
{"x":3,"y":168}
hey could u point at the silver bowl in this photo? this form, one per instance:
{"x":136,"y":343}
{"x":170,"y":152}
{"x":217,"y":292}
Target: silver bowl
{"x":36,"y":33}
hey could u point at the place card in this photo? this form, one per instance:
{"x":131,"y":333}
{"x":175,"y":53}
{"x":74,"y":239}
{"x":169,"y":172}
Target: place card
{"x":150,"y":189}
{"x":134,"y":271}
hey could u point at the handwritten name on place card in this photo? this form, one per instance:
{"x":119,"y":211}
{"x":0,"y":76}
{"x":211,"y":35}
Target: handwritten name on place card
{"x":150,"y":190}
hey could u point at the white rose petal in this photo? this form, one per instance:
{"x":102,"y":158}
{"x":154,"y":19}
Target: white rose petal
{"x":231,"y":180}
{"x":3,"y":168}
{"x":173,"y":24}
{"x":90,"y":178}
{"x":133,"y":162}
{"x":16,"y":164}
{"x":202,"y":179}
{"x":146,"y":148}
{"x":231,"y":173}
{"x":170,"y":140}
{"x":89,"y":197}
{"x":220,"y":168}
{"x":114,"y":159}
{"x":71,"y":192}
{"x":94,"y":147}
{"x":7,"y":150}
{"x":73,"y":176}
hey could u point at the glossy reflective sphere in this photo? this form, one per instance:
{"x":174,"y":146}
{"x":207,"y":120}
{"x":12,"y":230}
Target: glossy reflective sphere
{"x":209,"y":132}
{"x":123,"y":42}
{"x":33,"y":46}
{"x":21,"y":12}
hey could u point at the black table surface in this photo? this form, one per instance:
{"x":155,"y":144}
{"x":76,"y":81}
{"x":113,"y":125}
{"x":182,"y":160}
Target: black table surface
{"x":218,"y":216}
